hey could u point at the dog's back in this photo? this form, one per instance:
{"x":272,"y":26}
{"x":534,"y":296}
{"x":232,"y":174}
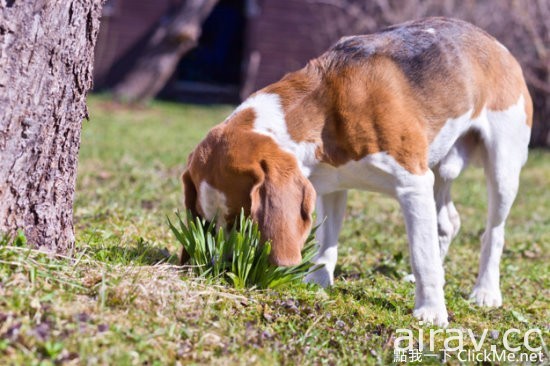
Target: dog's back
{"x":399,"y":89}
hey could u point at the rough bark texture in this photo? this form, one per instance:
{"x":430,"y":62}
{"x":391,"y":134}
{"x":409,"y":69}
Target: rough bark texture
{"x":46,"y":57}
{"x":171,"y":40}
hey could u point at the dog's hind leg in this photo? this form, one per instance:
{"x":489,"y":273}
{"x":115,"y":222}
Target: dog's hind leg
{"x":448,"y":220}
{"x":505,"y":139}
{"x":330,"y":209}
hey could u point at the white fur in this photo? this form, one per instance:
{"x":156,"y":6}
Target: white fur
{"x":381,"y":173}
{"x":448,"y":220}
{"x":445,"y":139}
{"x":430,"y":30}
{"x":270,"y":121}
{"x":213,"y":203}
{"x":517,"y":132}
{"x":506,"y":154}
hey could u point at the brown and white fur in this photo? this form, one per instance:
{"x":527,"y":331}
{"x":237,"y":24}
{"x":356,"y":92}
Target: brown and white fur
{"x":401,"y":112}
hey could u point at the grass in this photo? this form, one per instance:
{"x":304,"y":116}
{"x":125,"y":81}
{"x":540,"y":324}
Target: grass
{"x":238,"y":256}
{"x":121,"y":299}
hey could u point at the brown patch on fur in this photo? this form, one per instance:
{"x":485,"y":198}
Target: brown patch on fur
{"x":222,"y":158}
{"x":302,"y":101}
{"x":497,"y":77}
{"x":372,"y":112}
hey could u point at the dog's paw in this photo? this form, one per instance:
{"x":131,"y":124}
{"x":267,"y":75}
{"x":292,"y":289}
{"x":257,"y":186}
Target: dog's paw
{"x":323,"y":277}
{"x":409,"y":278}
{"x":432,"y":315}
{"x":486,"y":297}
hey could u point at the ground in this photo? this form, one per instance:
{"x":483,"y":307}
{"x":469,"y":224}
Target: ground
{"x":120,"y":298}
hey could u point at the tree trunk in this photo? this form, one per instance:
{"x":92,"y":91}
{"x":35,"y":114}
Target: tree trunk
{"x":46,"y":56}
{"x":161,"y":55}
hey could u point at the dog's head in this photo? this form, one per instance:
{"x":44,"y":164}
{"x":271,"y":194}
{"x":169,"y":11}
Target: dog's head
{"x":235,"y":167}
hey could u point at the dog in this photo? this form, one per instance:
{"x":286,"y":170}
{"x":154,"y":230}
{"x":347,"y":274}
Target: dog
{"x":401,"y":112}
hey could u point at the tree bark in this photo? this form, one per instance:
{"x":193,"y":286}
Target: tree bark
{"x":161,"y":55}
{"x":46,"y":57}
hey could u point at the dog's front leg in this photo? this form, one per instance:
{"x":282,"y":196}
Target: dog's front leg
{"x":332,"y":208}
{"x":416,"y":197}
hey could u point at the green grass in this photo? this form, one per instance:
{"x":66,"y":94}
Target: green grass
{"x":238,"y":256}
{"x":121,"y":300}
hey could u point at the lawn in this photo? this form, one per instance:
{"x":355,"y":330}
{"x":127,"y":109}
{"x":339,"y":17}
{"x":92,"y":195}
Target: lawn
{"x":121,"y":299}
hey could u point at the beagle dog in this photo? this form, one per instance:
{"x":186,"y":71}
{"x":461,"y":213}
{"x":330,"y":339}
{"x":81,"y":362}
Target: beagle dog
{"x":401,"y":112}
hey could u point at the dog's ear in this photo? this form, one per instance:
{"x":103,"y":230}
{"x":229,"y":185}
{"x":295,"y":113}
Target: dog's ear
{"x":283,"y":201}
{"x":190,"y":196}
{"x":189,"y":189}
{"x":190,"y":192}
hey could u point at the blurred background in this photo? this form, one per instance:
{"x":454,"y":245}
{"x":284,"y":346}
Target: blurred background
{"x":220,"y":51}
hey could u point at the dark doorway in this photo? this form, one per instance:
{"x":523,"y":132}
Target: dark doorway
{"x":211,"y":73}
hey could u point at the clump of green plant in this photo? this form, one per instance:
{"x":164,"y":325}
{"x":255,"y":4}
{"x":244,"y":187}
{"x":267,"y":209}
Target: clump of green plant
{"x":19,"y":240}
{"x":238,"y":256}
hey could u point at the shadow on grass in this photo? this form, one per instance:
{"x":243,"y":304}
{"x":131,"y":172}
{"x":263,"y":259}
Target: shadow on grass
{"x":390,"y":267}
{"x":363,"y":295}
{"x":142,"y":253}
